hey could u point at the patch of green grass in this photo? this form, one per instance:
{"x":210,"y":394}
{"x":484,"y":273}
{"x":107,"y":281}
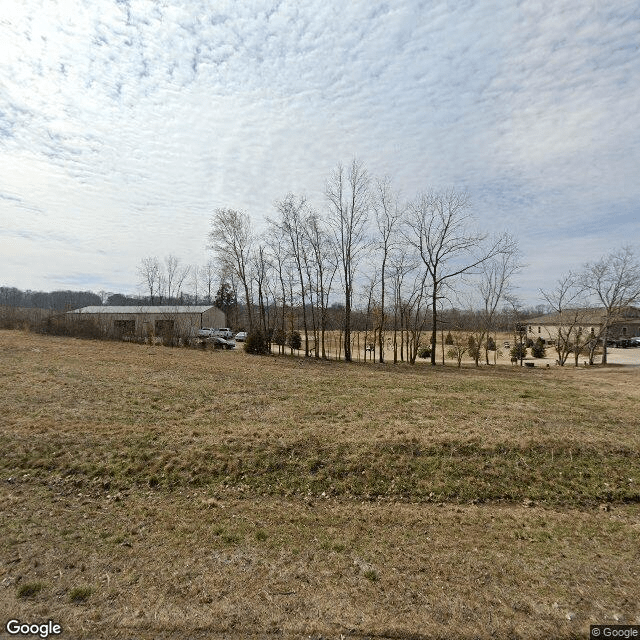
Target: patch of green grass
{"x":397,"y":465}
{"x":78,"y":595}
{"x":230,"y":538}
{"x":29,"y":589}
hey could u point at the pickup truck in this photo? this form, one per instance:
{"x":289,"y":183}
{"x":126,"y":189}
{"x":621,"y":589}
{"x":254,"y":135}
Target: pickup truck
{"x":224,"y":332}
{"x":208,"y":332}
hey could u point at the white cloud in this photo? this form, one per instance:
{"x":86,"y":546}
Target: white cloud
{"x":126,"y":123}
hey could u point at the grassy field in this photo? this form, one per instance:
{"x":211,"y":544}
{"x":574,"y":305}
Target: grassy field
{"x":150,"y":492}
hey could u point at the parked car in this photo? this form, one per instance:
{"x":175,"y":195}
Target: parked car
{"x":634,"y":342}
{"x":622,"y":343}
{"x":205,"y":332}
{"x":223,"y":332}
{"x":223,"y":343}
{"x":241,"y":336}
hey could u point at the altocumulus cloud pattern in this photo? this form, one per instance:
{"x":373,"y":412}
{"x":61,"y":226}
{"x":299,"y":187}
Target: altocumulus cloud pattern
{"x":124,"y":124}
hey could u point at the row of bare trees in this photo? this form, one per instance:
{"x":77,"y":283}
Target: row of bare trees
{"x":405,"y":262}
{"x":171,"y":281}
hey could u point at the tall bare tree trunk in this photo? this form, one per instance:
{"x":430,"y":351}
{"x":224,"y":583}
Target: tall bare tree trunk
{"x":348,"y":195}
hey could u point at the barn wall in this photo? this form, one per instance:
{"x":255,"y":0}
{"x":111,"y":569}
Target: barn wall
{"x":214,"y":318}
{"x":184,"y":324}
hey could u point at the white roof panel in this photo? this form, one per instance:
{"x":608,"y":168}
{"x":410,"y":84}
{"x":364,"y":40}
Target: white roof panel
{"x":198,"y":308}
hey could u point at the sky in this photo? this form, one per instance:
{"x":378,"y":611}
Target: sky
{"x":125,"y":123}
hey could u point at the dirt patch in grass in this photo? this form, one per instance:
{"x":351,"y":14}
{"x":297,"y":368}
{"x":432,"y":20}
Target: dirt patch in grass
{"x":163,"y":493}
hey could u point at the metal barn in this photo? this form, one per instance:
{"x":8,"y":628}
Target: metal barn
{"x":139,"y":321}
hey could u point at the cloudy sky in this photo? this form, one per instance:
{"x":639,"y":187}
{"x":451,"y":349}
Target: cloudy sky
{"x":125,"y":123}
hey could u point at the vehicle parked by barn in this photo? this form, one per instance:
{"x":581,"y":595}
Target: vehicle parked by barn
{"x":223,"y":332}
{"x":222,"y":343}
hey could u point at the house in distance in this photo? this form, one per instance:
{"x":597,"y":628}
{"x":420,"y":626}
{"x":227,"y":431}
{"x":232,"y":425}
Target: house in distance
{"x":624,"y":324}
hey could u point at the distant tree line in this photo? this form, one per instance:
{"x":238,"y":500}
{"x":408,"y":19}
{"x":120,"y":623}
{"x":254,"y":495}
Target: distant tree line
{"x":403,"y":272}
{"x":57,"y":300}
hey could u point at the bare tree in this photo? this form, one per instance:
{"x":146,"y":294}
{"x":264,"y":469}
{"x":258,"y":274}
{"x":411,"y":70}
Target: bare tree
{"x":175,"y":276}
{"x":348,"y":194}
{"x":231,"y":240}
{"x":495,"y":286}
{"x":312,"y":289}
{"x":415,"y":314}
{"x":279,"y":257}
{"x":293,"y":211}
{"x":388,"y":213}
{"x":194,"y":281}
{"x":150,"y":271}
{"x":566,"y":301}
{"x":260,"y":271}
{"x":614,"y":281}
{"x":207,"y":274}
{"x":401,"y":266}
{"x":438,"y":227}
{"x":371,"y":285}
{"x":322,"y":251}
{"x":460,"y":346}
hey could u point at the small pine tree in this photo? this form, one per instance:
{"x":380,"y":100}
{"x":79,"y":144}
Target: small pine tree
{"x":295,"y":340}
{"x":518,"y":351}
{"x":538,"y":350}
{"x":474,"y":348}
{"x":424,"y":352}
{"x":449,"y":339}
{"x":256,"y":343}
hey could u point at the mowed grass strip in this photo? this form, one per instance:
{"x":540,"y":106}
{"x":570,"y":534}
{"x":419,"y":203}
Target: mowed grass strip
{"x":117,"y":414}
{"x":405,"y":470}
{"x":570,"y":477}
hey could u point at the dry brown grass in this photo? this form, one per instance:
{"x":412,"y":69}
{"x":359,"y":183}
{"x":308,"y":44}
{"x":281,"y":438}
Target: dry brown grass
{"x":180,"y":492}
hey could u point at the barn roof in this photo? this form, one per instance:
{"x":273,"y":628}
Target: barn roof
{"x":133,"y":309}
